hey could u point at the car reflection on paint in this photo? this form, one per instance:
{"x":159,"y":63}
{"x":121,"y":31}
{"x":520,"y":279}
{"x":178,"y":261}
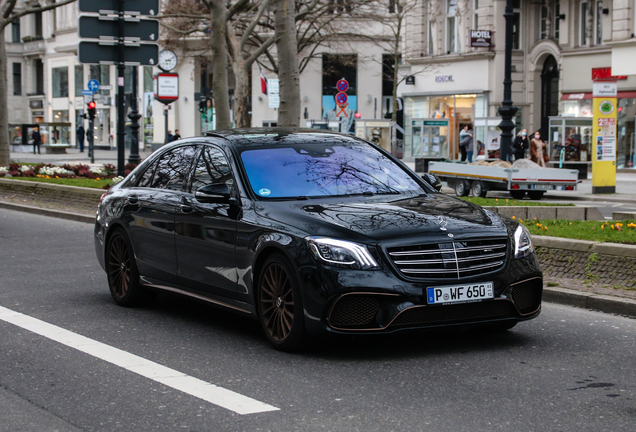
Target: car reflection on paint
{"x":311,"y":232}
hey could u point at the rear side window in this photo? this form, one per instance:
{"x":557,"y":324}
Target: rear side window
{"x":173,"y":168}
{"x":145,"y":180}
{"x":212,"y":167}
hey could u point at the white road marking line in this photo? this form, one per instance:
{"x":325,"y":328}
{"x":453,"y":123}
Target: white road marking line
{"x":193,"y":386}
{"x":617,"y":205}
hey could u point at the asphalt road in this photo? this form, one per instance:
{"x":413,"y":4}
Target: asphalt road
{"x":568,"y":370}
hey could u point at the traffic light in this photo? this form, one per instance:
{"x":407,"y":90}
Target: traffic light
{"x":202,"y":105}
{"x":91,"y":110}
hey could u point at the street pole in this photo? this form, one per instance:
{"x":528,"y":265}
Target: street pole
{"x":91,"y":138}
{"x":165,"y":123}
{"x":121,"y":136}
{"x":507,"y":111}
{"x":134,"y":116}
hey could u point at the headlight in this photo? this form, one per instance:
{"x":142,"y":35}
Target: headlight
{"x":341,"y":253}
{"x":523,"y":242}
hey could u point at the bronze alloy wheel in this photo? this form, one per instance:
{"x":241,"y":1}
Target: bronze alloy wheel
{"x":123,"y":277}
{"x":118,"y":267}
{"x":279,"y":305}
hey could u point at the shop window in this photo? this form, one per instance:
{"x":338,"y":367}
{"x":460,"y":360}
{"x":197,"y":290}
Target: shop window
{"x":100,"y":73}
{"x":17,"y":79}
{"x":79,"y":80}
{"x":60,"y":82}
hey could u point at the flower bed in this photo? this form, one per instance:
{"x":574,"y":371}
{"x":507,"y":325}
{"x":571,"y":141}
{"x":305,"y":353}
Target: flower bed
{"x":66,"y":171}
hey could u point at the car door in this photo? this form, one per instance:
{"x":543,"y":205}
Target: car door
{"x":152,"y":205}
{"x":206,"y":233}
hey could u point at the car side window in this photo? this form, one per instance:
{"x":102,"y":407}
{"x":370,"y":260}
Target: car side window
{"x":173,"y":168}
{"x":145,"y":180}
{"x":212,"y":167}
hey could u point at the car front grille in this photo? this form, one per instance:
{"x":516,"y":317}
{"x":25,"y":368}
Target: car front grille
{"x":455,"y":313}
{"x":457,"y":259}
{"x":527,"y":295}
{"x":354,"y":310}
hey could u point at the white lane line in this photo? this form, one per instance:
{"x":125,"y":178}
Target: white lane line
{"x":193,"y":386}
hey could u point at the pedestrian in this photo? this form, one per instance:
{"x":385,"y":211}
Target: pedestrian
{"x":80,"y":137}
{"x":520,"y":144}
{"x":169,"y":135}
{"x":37,"y":140}
{"x":176,"y":135}
{"x":538,"y":153}
{"x":466,"y":143}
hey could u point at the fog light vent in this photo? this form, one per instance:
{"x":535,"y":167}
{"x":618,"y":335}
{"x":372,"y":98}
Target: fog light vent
{"x":527,"y":295}
{"x":353,"y":310}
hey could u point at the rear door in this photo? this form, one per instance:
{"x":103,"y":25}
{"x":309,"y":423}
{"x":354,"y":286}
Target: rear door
{"x":152,"y":206}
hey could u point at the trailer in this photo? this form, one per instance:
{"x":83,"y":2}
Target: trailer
{"x":479,"y":179}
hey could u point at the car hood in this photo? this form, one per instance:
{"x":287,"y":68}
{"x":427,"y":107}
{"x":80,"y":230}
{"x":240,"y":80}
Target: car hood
{"x":379,"y":219}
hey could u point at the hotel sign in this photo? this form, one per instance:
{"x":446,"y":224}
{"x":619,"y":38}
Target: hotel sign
{"x":481,"y":38}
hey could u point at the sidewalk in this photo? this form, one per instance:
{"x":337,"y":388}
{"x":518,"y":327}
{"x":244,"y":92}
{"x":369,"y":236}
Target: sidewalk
{"x":73,"y":156}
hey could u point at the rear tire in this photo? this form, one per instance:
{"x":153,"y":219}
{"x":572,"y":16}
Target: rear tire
{"x":517,"y":194}
{"x":535,"y":195}
{"x":478,"y":189}
{"x":461,"y":188}
{"x":280,"y":306}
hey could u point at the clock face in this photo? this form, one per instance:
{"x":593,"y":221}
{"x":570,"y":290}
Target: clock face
{"x":167,"y":60}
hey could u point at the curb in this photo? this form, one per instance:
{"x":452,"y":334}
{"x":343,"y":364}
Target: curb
{"x":599,"y":302}
{"x":616,"y":249}
{"x":48,"y":212}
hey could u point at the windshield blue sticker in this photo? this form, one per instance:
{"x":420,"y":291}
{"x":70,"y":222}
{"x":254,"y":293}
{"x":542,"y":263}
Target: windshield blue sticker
{"x":264,"y":192}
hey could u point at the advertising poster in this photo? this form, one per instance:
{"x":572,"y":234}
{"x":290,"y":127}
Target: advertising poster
{"x":604,"y":129}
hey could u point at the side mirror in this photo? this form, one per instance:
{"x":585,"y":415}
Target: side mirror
{"x":213,"y":193}
{"x":433,"y":180}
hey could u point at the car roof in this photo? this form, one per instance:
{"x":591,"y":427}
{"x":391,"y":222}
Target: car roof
{"x":256,"y":137}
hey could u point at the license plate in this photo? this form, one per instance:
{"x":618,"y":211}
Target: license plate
{"x":460,"y":293}
{"x":541,"y":187}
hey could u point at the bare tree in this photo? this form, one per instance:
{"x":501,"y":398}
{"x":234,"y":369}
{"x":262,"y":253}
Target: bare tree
{"x":9,"y":13}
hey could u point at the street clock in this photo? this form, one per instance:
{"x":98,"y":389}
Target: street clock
{"x":167,"y":60}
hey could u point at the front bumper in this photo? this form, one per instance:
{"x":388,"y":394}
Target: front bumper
{"x":352,"y":302}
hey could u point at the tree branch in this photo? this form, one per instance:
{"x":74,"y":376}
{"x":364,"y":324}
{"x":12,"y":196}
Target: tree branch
{"x":20,"y":14}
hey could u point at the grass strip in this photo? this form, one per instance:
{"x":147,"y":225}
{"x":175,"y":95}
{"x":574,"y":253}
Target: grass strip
{"x":80,"y":182}
{"x":609,"y":232}
{"x":501,"y":202}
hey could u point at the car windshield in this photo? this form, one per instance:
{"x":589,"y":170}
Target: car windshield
{"x":325,"y":169}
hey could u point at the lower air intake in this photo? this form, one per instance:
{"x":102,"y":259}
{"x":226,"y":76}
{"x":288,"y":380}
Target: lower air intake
{"x":353,"y":311}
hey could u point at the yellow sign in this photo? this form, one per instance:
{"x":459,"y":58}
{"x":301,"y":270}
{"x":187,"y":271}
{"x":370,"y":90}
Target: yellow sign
{"x":604,"y":145}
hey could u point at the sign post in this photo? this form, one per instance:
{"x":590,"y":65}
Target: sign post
{"x":604,"y":138}
{"x":118,"y":31}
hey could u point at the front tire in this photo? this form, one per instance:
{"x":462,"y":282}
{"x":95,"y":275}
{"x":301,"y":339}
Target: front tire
{"x":121,"y":269}
{"x":280,"y":308}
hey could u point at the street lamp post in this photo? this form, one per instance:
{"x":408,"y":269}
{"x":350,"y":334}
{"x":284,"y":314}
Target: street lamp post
{"x":134,"y":116}
{"x":507,"y":111}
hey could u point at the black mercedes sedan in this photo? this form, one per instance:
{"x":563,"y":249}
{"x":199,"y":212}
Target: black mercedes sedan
{"x":311,"y":232}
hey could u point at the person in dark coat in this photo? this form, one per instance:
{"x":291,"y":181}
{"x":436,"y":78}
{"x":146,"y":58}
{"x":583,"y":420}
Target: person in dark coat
{"x":520,"y":144}
{"x":80,"y":137}
{"x":37,"y":140}
{"x":176,"y":135}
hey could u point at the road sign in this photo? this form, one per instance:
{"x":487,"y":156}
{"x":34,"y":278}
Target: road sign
{"x":166,"y":87}
{"x":87,"y":93}
{"x":341,"y":98}
{"x":342,"y":85}
{"x":272,"y":86}
{"x":274,"y":100}
{"x":98,"y":53}
{"x":93,"y":85}
{"x":92,"y":27}
{"x":131,"y":7}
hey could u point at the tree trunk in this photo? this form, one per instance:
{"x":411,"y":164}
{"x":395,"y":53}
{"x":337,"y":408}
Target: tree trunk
{"x":288,"y":74}
{"x":219,"y":65}
{"x":4,"y":106}
{"x":241,"y":94}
